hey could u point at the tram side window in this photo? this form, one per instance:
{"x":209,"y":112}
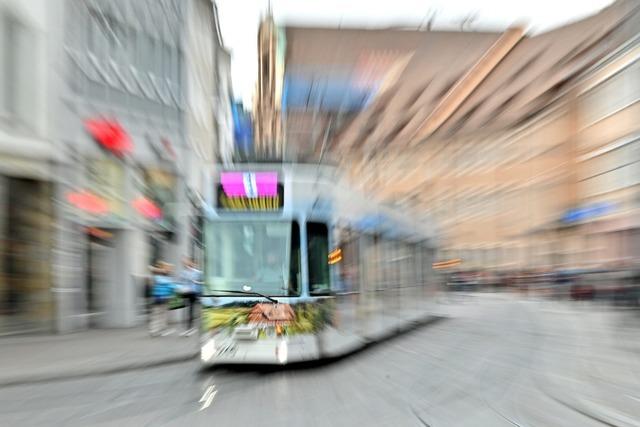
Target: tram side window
{"x":318,"y":244}
{"x":295,"y":265}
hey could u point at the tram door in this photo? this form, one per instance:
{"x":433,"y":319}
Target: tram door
{"x":101,"y":258}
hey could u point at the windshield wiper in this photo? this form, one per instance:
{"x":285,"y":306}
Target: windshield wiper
{"x":254,"y":293}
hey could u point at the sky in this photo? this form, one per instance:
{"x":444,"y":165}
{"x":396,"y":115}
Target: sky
{"x":239,"y":21}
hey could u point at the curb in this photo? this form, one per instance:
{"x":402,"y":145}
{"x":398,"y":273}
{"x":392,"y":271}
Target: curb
{"x":64,"y":376}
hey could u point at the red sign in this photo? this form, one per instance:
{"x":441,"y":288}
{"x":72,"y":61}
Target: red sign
{"x":88,"y":202}
{"x":110,"y":135}
{"x":147,"y":208}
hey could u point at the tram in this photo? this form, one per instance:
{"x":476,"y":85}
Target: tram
{"x":299,"y":266}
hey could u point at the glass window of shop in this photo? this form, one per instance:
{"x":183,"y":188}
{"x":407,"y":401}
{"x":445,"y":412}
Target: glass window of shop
{"x":159,"y":186}
{"x":106,"y":177}
{"x":25,"y":248}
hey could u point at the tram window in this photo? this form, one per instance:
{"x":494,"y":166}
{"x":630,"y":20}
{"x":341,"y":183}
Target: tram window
{"x":318,"y":248}
{"x":295,"y":265}
{"x":256,"y":253}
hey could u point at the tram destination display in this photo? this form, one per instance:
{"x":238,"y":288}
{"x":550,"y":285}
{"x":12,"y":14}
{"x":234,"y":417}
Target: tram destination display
{"x":249,"y":191}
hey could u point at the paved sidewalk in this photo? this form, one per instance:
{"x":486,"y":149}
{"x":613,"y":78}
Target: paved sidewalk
{"x":29,"y":359}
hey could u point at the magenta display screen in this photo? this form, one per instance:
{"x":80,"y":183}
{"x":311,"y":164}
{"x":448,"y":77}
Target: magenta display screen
{"x":250,"y":191}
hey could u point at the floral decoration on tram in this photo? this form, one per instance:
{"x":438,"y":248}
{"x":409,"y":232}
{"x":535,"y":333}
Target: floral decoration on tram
{"x":285,"y":319}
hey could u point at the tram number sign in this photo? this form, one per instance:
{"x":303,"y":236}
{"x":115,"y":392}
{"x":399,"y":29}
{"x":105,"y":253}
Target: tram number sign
{"x":243,"y":203}
{"x":249,"y":191}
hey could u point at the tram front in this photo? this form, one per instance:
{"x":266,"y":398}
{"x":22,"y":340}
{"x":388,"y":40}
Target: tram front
{"x":257,"y":306}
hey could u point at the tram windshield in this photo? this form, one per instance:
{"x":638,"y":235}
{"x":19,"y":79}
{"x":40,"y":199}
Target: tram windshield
{"x":258,"y":254}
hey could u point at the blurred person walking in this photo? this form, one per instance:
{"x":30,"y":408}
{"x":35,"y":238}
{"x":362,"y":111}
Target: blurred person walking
{"x":163,"y":290}
{"x":191,"y":289}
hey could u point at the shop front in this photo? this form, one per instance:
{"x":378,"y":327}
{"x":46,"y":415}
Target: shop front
{"x":26,"y":225}
{"x":155,"y":202}
{"x":595,"y":236}
{"x":97,"y":208}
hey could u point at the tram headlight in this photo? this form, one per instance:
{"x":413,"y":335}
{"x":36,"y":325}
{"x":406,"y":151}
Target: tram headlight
{"x":208,"y":350}
{"x":282,"y":352}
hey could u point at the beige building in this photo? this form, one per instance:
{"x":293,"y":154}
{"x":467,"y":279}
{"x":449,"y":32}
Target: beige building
{"x":608,"y":158}
{"x":522,"y":148}
{"x":269,"y":141}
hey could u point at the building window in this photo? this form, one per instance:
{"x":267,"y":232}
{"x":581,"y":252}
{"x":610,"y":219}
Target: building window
{"x":18,"y":67}
{"x":608,"y":97}
{"x":99,"y":34}
{"x":9,"y":52}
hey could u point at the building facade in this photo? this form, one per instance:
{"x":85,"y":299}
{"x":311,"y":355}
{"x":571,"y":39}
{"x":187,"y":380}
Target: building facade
{"x":607,"y":162}
{"x":268,"y":130}
{"x":122,"y":139}
{"x":242,"y":133}
{"x":521,"y":147}
{"x":26,"y":171}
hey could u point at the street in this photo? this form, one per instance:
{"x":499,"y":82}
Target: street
{"x":362,"y":213}
{"x":496,"y":360}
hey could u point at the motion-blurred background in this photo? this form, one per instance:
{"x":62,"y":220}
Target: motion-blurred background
{"x":509,"y":130}
{"x":520,"y":142}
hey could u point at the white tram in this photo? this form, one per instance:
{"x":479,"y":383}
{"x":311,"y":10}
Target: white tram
{"x":298,"y":267}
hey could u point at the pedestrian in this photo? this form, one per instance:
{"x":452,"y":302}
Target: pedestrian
{"x":163,"y":290}
{"x":191,"y":289}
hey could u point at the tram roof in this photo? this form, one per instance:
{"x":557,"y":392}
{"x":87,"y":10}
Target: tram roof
{"x":323,"y":191}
